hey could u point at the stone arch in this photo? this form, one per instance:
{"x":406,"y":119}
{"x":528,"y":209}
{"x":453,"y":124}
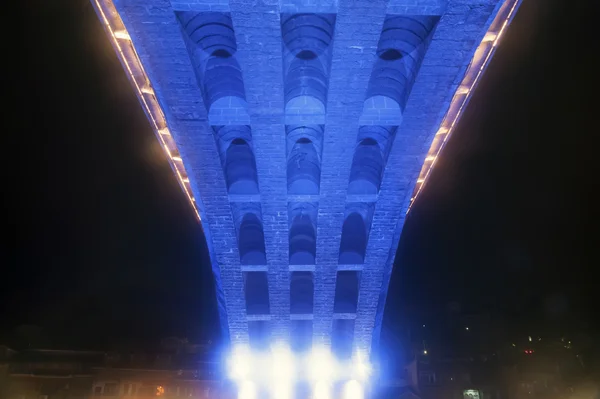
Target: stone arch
{"x":307,"y":35}
{"x":305,"y":87}
{"x":223,"y":80}
{"x":304,"y":145}
{"x":303,"y":242}
{"x":306,"y":39}
{"x":212,"y":46}
{"x":240,"y":168}
{"x":301,"y":292}
{"x":370,"y":157}
{"x":354,"y":240}
{"x":400,"y":50}
{"x":367,"y":168}
{"x":251,"y":241}
{"x":211,"y":31}
{"x":303,"y":168}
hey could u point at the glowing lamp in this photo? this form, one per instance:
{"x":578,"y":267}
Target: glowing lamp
{"x":239,"y":363}
{"x":353,"y":390}
{"x":282,"y":390}
{"x":321,"y":364}
{"x":247,"y":390}
{"x":282,"y":363}
{"x":321,"y":390}
{"x":361,"y":368}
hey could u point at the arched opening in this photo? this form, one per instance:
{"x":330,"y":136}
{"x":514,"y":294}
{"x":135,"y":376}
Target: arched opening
{"x":240,"y":168}
{"x":306,"y":38}
{"x":303,"y":168}
{"x":390,"y":55}
{"x":367,"y":168}
{"x":354,"y":240}
{"x":400,"y":50}
{"x":303,"y":243}
{"x":307,"y":32}
{"x":301,"y":293}
{"x":212,"y":45}
{"x":220,"y":53}
{"x":306,"y":55}
{"x":252,"y":241}
{"x":210,"y":31}
{"x":256,"y":288}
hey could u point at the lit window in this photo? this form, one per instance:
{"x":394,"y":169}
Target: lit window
{"x":471,"y":394}
{"x":110,"y":389}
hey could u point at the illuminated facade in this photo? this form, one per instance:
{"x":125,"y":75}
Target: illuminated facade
{"x":302,"y":131}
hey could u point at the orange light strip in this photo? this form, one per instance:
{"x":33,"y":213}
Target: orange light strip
{"x":465,"y":90}
{"x":120,"y":33}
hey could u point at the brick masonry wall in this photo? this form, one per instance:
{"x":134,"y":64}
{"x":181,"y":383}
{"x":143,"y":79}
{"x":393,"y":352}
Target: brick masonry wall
{"x":258,"y":34}
{"x":158,"y":39}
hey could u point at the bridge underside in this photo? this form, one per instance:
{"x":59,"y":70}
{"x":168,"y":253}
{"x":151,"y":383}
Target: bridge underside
{"x":302,"y":131}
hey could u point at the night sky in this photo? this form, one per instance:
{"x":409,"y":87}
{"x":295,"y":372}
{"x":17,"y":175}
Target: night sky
{"x":103,"y":251}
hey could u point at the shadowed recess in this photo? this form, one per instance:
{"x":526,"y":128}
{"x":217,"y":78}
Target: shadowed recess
{"x":211,"y":43}
{"x":403,"y":43}
{"x":256,"y":289}
{"x":303,"y":168}
{"x":370,"y":158}
{"x":304,"y":159}
{"x":301,"y":293}
{"x":301,"y":332}
{"x":302,"y":218}
{"x":346,"y":292}
{"x":251,"y":241}
{"x":303,"y":243}
{"x":237,"y":157}
{"x":306,"y":50}
{"x":259,"y":334}
{"x":240,"y":168}
{"x":354,"y":240}
{"x":342,"y":338}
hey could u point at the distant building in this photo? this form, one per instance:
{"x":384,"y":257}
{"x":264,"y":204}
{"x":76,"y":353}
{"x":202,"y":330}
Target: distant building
{"x":457,"y":355}
{"x":50,"y":374}
{"x":64,"y":374}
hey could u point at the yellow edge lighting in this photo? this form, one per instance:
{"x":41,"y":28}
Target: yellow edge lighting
{"x":463,"y":92}
{"x":157,"y":119}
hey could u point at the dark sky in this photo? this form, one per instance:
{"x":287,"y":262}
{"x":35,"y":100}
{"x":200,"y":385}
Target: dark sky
{"x":103,"y":249}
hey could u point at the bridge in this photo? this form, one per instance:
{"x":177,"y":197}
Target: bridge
{"x":302,"y":131}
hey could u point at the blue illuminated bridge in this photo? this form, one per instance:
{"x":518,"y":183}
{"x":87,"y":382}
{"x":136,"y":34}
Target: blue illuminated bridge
{"x":302,"y":131}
